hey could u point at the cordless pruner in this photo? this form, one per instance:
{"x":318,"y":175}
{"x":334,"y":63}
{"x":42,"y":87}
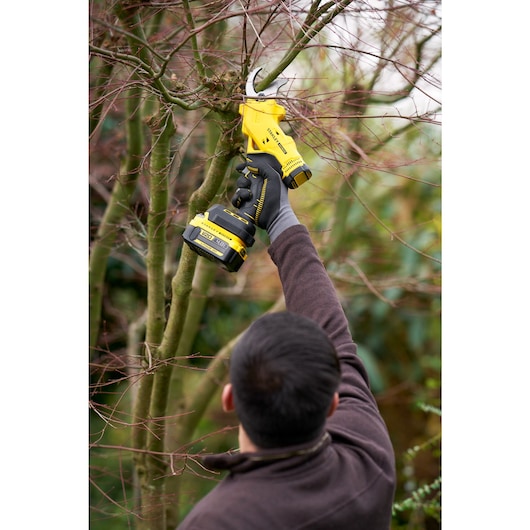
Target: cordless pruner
{"x":261,"y":118}
{"x":220,"y":234}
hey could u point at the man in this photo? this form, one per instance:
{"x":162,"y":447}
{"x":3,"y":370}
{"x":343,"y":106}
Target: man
{"x":314,"y":450}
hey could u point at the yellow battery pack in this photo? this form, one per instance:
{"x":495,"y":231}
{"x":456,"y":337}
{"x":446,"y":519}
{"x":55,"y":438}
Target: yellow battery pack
{"x":221,"y":236}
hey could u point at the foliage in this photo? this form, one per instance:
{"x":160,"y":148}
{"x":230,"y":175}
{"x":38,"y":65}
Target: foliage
{"x":424,"y":501}
{"x":363,"y":106}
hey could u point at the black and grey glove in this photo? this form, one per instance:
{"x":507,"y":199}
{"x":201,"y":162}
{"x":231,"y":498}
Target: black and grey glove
{"x":261,"y":195}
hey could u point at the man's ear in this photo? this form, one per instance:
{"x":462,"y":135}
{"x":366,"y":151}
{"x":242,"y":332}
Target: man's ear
{"x":227,"y":398}
{"x":334,"y":404}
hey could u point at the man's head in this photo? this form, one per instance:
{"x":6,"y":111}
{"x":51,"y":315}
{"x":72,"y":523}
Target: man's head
{"x":284,"y":374}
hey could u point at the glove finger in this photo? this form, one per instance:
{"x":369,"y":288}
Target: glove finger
{"x":241,"y":196}
{"x":241,"y":167}
{"x":264,"y":171}
{"x":242,"y":182}
{"x":264,"y":162}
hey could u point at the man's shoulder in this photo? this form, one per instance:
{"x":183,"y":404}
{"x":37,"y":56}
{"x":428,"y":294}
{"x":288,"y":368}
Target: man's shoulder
{"x":229,"y":505}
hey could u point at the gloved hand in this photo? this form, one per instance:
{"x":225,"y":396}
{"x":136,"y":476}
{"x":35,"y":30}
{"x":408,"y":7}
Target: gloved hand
{"x":261,"y":195}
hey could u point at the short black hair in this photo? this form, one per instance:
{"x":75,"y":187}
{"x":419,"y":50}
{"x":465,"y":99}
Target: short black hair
{"x":284,"y":372}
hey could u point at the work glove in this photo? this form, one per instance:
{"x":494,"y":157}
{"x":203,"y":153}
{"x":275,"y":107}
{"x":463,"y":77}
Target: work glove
{"x":261,"y":195}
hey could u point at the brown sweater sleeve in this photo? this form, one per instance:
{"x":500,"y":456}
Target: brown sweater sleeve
{"x":309,"y":291}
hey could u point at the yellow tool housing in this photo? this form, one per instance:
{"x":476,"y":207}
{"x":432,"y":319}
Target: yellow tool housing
{"x":261,"y":120}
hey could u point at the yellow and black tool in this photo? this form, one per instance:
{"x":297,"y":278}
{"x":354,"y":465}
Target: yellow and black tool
{"x":261,"y":118}
{"x":221,"y":235}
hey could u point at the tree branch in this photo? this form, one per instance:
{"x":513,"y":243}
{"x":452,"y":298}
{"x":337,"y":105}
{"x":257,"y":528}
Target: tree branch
{"x":304,"y":36}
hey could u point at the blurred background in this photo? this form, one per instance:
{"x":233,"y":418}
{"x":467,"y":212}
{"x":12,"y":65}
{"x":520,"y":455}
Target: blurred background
{"x":363,"y":103}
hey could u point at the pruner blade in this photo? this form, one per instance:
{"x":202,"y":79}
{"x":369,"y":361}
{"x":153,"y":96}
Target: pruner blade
{"x":270,"y":91}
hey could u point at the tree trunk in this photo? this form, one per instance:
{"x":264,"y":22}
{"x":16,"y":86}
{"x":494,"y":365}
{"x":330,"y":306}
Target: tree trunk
{"x":117,"y":208}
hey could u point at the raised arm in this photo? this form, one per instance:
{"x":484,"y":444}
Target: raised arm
{"x":309,"y":292}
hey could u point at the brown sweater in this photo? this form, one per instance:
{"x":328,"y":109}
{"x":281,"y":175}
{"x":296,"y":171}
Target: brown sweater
{"x":344,"y":479}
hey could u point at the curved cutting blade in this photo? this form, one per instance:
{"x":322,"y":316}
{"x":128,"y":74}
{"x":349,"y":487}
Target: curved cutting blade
{"x":270,"y":91}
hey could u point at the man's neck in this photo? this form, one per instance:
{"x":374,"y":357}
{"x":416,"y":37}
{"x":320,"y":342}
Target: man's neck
{"x":246,"y":445}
